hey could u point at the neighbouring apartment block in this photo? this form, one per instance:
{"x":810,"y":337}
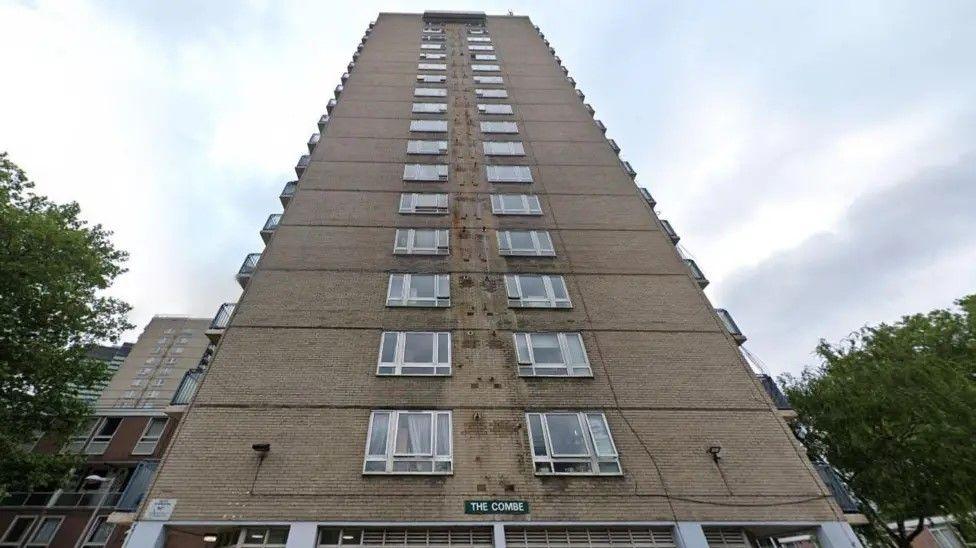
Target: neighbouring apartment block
{"x":134,"y":416}
{"x":468,"y":328}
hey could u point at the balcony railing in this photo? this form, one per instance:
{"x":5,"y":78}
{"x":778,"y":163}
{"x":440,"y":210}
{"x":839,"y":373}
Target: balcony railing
{"x":630,"y":170}
{"x":302,"y":164}
{"x":646,"y":194}
{"x":138,"y":485}
{"x":187,"y":388}
{"x":323,"y":123}
{"x":247,"y":268}
{"x":845,"y":499}
{"x":269,"y":226}
{"x":614,"y":146}
{"x":669,"y":230}
{"x":312,"y":141}
{"x":697,"y":273}
{"x":779,"y":398}
{"x":601,"y":125}
{"x":338,"y":90}
{"x":288,"y":192}
{"x":730,"y":325}
{"x":220,"y":322}
{"x":62,"y":499}
{"x":330,"y":105}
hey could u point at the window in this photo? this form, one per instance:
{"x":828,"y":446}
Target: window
{"x":158,"y":382}
{"x":419,"y":290}
{"x":532,"y":243}
{"x":17,"y":531}
{"x":145,"y":371}
{"x":515,"y":204}
{"x":150,"y":436}
{"x":428,"y":203}
{"x":431,"y":78}
{"x":169,"y":330}
{"x":486,"y":57}
{"x":425,"y":172}
{"x":426,"y":147}
{"x":551,"y":355}
{"x":152,"y":394}
{"x":499,"y":127}
{"x":430,"y":92}
{"x":431,"y":46}
{"x":408,"y":442}
{"x":488,"y":79}
{"x":254,"y":537}
{"x":491,"y":93}
{"x":432,"y":66}
{"x":476,"y":31}
{"x":429,"y":108}
{"x":946,"y":537}
{"x":44,"y":532}
{"x":503,"y":148}
{"x":137,"y":382}
{"x":163,"y":340}
{"x":421,"y":241}
{"x":78,"y":440}
{"x":157,"y":350}
{"x":183,"y":340}
{"x":495,"y":109}
{"x":103,"y":435}
{"x":508,"y":174}
{"x":152,"y":361}
{"x":129,"y":394}
{"x":434,"y":126}
{"x":475,"y":47}
{"x":100,"y":532}
{"x":572,"y":443}
{"x":178,"y":350}
{"x":479,"y":39}
{"x":414,"y":353}
{"x":433,"y":56}
{"x":172,"y":361}
{"x":536,"y":291}
{"x":485,"y":68}
{"x":165,"y":372}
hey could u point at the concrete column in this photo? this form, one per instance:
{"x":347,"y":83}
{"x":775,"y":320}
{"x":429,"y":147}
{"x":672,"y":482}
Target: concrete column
{"x":146,"y":534}
{"x":498,"y":533}
{"x":301,"y":534}
{"x":689,"y":535}
{"x":837,"y":534}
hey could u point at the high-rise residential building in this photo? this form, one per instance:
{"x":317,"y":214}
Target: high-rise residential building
{"x":112,"y":357}
{"x":469,"y":329}
{"x":134,"y":417}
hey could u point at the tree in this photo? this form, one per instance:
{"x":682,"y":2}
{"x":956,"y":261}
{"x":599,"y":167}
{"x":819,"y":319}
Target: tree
{"x":54,"y":268}
{"x":893,"y":410}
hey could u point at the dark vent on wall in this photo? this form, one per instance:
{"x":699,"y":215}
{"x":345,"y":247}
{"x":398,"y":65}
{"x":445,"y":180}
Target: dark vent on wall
{"x":454,"y":17}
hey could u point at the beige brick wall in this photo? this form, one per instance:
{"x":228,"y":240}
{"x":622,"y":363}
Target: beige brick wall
{"x":297,"y":366}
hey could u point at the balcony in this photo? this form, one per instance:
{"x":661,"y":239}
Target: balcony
{"x":581,"y":95}
{"x":772,"y":389}
{"x":323,"y":123}
{"x":630,"y":170}
{"x":730,"y":326}
{"x":589,"y":108}
{"x":351,"y":65}
{"x":338,"y":90}
{"x":842,"y":495}
{"x":312,"y":141}
{"x":331,"y":105}
{"x":646,"y":194}
{"x":220,"y":322}
{"x":302,"y":164}
{"x":697,"y":273}
{"x":187,"y":388}
{"x":138,"y":485}
{"x":669,"y":230}
{"x":345,"y":76}
{"x":62,"y":499}
{"x":572,"y":81}
{"x":269,"y":226}
{"x":288,"y":192}
{"x":614,"y":146}
{"x":247,"y":269}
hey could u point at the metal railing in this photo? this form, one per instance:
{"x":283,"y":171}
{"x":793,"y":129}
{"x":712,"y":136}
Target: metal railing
{"x":288,"y":192}
{"x":302,"y":164}
{"x":187,"y":388}
{"x":272,"y":222}
{"x":779,"y":398}
{"x":730,"y":325}
{"x":222,"y":318}
{"x":646,"y":194}
{"x":697,"y":273}
{"x":312,"y":141}
{"x":62,"y":499}
{"x":845,"y":499}
{"x":247,"y":268}
{"x":669,"y":230}
{"x":138,"y":485}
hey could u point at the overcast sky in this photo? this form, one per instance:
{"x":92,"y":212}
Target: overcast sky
{"x":817,"y":158}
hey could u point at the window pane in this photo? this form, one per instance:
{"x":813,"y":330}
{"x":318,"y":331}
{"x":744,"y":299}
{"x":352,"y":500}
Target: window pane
{"x":45,"y":532}
{"x":401,"y":238}
{"x":511,"y":201}
{"x":558,"y":287}
{"x":574,"y":348}
{"x":443,"y":348}
{"x":522,"y":348}
{"x":426,"y":239}
{"x":538,"y":438}
{"x":413,"y":434}
{"x":101,"y":532}
{"x":545,"y":348}
{"x":277,"y":536}
{"x":601,"y":434}
{"x":566,"y":434}
{"x":532,"y":287}
{"x":18,"y":530}
{"x":418,"y":348}
{"x":443,"y":434}
{"x":521,"y":240}
{"x":377,"y":439}
{"x":156,"y":427}
{"x":389,"y":348}
{"x":422,"y":287}
{"x":396,"y":286}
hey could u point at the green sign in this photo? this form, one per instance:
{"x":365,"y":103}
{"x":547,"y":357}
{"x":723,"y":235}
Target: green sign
{"x":496,"y":507}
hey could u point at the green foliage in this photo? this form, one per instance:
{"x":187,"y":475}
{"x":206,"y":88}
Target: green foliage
{"x":893,"y":409}
{"x":53,"y":268}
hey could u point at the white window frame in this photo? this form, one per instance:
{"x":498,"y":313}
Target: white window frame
{"x":27,"y":532}
{"x":99,"y":520}
{"x":390,"y":457}
{"x":593,"y":457}
{"x":493,"y":109}
{"x":428,"y":126}
{"x":503,"y":148}
{"x":426,"y":146}
{"x":429,"y":108}
{"x":245,"y":540}
{"x":491,"y":93}
{"x":485,"y":57}
{"x":440,"y":299}
{"x":78,"y":441}
{"x":499,"y":127}
{"x":528,"y":367}
{"x":432,"y":66}
{"x":480,"y":39}
{"x":488,"y":80}
{"x":158,"y":382}
{"x":530,"y":205}
{"x":551,"y":283}
{"x":431,"y":46}
{"x":98,"y":444}
{"x":430,"y":92}
{"x":425,"y":172}
{"x":480,"y":47}
{"x":486,"y":68}
{"x":433,"y":56}
{"x":36,"y":528}
{"x":431,"y":78}
{"x":440,"y":365}
{"x":147,"y":443}
{"x":541,"y":244}
{"x":442,"y":238}
{"x":409,"y":206}
{"x":508,"y":174}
